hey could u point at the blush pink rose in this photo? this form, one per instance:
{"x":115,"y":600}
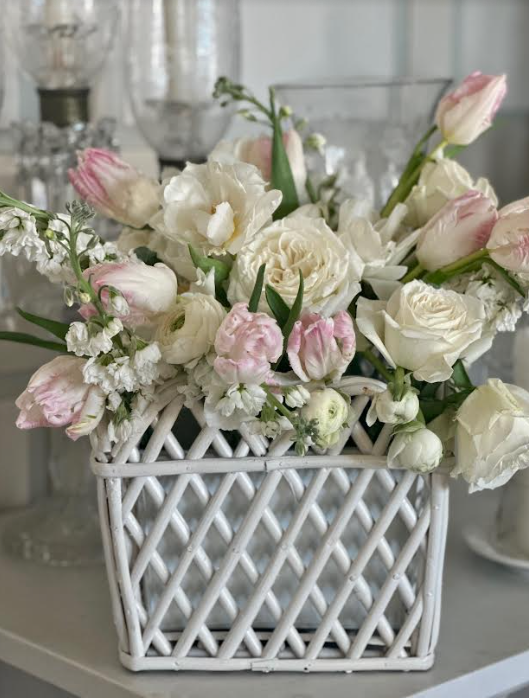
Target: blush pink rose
{"x":114,"y":188}
{"x":56,"y":396}
{"x":463,"y":114}
{"x":246,"y":344}
{"x":509,"y":241}
{"x":320,"y":348}
{"x":147,"y":290}
{"x":461,"y":227}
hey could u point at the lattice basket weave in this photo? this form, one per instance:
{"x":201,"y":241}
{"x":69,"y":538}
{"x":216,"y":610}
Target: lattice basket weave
{"x":238,"y":555}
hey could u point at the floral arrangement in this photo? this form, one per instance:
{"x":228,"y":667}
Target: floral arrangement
{"x":245,"y":283}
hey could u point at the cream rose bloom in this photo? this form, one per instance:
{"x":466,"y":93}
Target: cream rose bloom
{"x":188,"y":332}
{"x":492,"y":435}
{"x":217,"y":207}
{"x":439,"y":183}
{"x":381,"y":243}
{"x":423,"y":329}
{"x":330,"y":273}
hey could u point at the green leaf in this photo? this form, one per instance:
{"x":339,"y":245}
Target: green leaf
{"x":460,"y":376}
{"x":147,"y":256}
{"x":277,"y":305}
{"x":22,"y":338}
{"x":57,"y":329}
{"x":431,"y":408}
{"x":257,"y":290}
{"x":282,"y":177}
{"x":295,"y":311}
{"x":221,"y":269}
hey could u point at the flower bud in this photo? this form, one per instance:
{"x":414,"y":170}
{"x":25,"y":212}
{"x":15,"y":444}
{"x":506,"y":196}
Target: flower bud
{"x":419,"y":451}
{"x":463,"y":114}
{"x":329,"y":411}
{"x":386,"y":409}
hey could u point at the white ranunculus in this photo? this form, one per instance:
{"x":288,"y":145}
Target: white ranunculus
{"x":188,"y":332}
{"x":423,"y":329}
{"x":217,"y":207}
{"x":379,"y":242}
{"x":419,"y":450}
{"x":440,"y":182}
{"x":330,"y":412}
{"x":492,"y":435}
{"x":330,"y":273}
{"x":386,"y":409}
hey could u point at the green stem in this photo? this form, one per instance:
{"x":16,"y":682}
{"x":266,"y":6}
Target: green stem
{"x":458,"y":266}
{"x":377,"y":364}
{"x":413,"y":274}
{"x":505,"y":275}
{"x":398,"y":383}
{"x":274,"y":402}
{"x":38,"y":213}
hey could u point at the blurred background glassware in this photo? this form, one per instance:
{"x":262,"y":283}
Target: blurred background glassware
{"x":62,"y":529}
{"x":176,"y":51}
{"x":62,"y":44}
{"x":370,"y":125}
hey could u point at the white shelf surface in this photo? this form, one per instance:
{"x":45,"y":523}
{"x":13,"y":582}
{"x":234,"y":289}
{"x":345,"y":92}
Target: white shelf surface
{"x":56,"y":625}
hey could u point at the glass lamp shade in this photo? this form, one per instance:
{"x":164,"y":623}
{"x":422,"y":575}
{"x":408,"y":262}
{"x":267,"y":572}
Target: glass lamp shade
{"x":176,"y":51}
{"x":62,"y":44}
{"x":371,"y":126}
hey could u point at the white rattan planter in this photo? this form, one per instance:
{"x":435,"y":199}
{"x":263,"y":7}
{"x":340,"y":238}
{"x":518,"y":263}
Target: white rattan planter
{"x":245,"y":557}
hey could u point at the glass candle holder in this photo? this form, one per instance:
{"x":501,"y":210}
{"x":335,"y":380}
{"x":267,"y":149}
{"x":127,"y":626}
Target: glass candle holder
{"x":176,"y":51}
{"x":371,"y":126}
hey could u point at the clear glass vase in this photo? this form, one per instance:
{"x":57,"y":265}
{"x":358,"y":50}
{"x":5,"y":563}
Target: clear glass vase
{"x":62,"y":529}
{"x":371,"y":126}
{"x":176,"y":51}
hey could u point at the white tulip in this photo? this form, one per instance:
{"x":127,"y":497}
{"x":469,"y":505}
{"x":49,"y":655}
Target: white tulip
{"x":492,"y":435}
{"x":217,"y":207}
{"x":440,"y":182}
{"x":331,"y":274}
{"x":419,"y":451}
{"x":424,"y":329}
{"x":188,"y":332}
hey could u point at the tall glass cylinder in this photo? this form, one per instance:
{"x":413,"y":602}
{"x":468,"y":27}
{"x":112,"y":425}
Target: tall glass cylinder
{"x":370,"y":125}
{"x":176,"y":51}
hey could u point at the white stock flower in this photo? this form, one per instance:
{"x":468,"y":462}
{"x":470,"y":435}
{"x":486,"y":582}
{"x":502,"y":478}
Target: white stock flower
{"x":329,"y":410}
{"x":440,"y":182}
{"x":188,"y":332}
{"x":227,"y":407}
{"x":492,"y":435}
{"x":386,"y":409}
{"x":424,"y":329}
{"x":88,"y":340}
{"x":419,"y":450}
{"x":330,"y":273}
{"x":297,"y":396}
{"x":378,"y":241}
{"x":217,"y":207}
{"x":18,"y":234}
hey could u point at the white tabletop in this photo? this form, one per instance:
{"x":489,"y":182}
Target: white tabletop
{"x":56,"y":625}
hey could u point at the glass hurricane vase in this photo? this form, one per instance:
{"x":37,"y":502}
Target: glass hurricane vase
{"x":370,"y":125}
{"x":62,"y":529}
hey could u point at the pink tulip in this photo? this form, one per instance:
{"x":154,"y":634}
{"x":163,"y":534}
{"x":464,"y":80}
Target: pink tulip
{"x":463,"y":114}
{"x":246,"y":344}
{"x":320,"y":348}
{"x":509,"y":241}
{"x":114,"y":188}
{"x":461,"y":227}
{"x":147,"y":290}
{"x":56,"y":396}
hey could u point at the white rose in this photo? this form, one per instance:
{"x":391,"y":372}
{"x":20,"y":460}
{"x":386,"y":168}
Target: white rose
{"x":331,"y":275}
{"x":492,"y":435}
{"x":378,"y":242}
{"x":217,"y":206}
{"x":423,"y":329}
{"x":188,"y":332}
{"x":386,"y":409}
{"x":419,"y":451}
{"x":440,"y":182}
{"x":330,"y":412}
